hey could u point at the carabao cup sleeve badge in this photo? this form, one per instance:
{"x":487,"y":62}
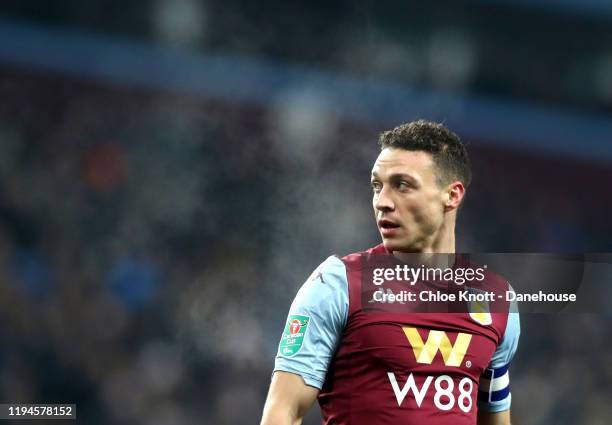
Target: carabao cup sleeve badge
{"x":293,"y":336}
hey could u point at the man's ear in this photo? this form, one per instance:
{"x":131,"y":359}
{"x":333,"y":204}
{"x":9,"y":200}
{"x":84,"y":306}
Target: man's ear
{"x":454,"y":195}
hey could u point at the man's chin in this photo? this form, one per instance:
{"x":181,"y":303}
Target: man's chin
{"x":392,"y":245}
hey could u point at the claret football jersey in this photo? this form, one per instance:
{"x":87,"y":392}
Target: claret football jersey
{"x":378,"y":366}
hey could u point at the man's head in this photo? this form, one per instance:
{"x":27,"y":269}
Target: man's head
{"x":419,"y":180}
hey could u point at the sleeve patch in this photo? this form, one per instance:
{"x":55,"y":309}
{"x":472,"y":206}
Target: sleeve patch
{"x":293,"y":335}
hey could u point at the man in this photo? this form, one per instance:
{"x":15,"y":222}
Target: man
{"x":371,"y":366}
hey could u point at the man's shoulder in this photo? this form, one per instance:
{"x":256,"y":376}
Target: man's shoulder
{"x":492,"y":281}
{"x":355,"y":257}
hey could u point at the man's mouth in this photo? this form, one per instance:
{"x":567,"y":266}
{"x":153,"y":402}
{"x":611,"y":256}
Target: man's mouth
{"x":387,"y":227}
{"x":385,"y":223}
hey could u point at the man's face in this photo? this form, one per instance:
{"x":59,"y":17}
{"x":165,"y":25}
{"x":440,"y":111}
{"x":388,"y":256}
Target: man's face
{"x":408,"y":203}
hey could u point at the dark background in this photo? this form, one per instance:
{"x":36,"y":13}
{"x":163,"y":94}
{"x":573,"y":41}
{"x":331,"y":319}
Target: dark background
{"x":172,"y":171}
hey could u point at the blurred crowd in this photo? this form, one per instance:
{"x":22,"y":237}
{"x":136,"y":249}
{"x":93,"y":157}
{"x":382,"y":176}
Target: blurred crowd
{"x":554,"y":51}
{"x":150,"y":246}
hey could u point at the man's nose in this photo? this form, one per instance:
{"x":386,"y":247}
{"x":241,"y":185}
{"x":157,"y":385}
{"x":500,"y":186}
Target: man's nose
{"x":383,"y":200}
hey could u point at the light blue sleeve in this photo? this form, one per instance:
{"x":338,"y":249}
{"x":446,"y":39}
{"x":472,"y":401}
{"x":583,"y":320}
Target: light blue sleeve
{"x":315,"y":323}
{"x":494,"y":387}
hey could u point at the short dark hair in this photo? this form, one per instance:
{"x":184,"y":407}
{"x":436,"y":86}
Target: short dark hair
{"x":447,"y":151}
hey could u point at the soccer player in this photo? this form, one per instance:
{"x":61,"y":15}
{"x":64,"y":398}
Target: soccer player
{"x":375,"y":367}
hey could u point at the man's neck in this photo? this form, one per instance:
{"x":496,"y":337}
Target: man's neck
{"x":444,"y":243}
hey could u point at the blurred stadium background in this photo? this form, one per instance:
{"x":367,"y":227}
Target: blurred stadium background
{"x":172,"y":170}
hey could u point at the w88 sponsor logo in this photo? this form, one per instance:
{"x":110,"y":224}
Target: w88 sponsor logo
{"x":446,"y":396}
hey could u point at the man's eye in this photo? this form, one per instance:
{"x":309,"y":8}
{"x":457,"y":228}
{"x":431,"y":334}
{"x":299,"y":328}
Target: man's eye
{"x":376,"y":187}
{"x":403,"y":185}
